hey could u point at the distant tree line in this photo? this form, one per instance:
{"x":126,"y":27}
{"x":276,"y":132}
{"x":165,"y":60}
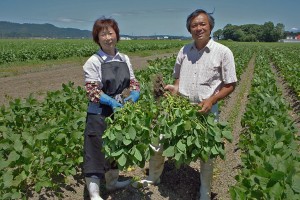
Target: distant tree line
{"x":267,"y":32}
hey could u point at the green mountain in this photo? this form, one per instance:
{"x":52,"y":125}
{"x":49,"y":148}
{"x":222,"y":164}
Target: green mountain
{"x":16,"y":30}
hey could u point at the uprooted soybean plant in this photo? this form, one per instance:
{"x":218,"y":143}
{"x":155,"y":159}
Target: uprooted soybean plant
{"x":161,"y":118}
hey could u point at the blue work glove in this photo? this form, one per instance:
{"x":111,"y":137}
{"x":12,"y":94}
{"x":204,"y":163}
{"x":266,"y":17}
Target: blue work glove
{"x":134,"y":96}
{"x":107,"y":100}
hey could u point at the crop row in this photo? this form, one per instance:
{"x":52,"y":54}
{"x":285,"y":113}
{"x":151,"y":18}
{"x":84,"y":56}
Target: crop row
{"x":287,"y":60}
{"x":40,"y":141}
{"x":270,"y":152}
{"x":20,"y":50}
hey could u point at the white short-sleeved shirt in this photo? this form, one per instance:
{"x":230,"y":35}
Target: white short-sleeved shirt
{"x":92,"y":67}
{"x":202,"y":73}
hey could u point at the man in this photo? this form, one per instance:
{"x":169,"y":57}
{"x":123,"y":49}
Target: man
{"x":205,"y":73}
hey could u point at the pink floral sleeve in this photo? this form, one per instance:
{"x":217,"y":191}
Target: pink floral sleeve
{"x":134,"y":85}
{"x":92,"y":91}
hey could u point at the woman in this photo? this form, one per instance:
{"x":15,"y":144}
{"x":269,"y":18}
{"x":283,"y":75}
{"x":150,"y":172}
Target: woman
{"x":107,"y":74}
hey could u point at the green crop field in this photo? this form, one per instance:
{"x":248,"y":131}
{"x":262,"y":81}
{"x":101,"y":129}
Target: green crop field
{"x":41,"y":140}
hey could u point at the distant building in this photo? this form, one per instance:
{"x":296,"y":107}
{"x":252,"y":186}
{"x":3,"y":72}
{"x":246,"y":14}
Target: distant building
{"x":162,"y":38}
{"x":125,"y":38}
{"x":290,"y":39}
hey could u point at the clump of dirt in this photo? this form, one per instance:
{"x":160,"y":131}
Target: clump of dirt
{"x":125,"y":92}
{"x":158,"y":86}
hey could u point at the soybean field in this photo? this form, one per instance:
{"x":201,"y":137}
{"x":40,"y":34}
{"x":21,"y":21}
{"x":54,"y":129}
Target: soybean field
{"x":41,"y":140}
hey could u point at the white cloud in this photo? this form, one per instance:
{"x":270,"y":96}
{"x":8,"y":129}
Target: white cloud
{"x":294,"y":29}
{"x":69,"y":20}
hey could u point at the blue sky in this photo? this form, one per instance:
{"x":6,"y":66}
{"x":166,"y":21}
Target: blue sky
{"x":151,"y":17}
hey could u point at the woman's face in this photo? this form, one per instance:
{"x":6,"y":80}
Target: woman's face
{"x":108,"y":40}
{"x":200,"y":28}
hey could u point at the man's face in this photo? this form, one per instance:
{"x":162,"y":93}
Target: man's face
{"x":200,"y":28}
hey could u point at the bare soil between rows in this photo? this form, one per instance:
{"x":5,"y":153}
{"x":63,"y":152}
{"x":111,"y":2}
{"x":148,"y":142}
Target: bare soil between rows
{"x":38,"y":83}
{"x":176,"y":184}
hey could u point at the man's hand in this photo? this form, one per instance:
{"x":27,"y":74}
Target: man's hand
{"x":224,"y":92}
{"x":206,"y":106}
{"x":172,"y":89}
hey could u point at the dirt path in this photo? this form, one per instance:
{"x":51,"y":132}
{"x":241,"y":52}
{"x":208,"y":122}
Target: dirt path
{"x":232,"y":112}
{"x":38,"y":83}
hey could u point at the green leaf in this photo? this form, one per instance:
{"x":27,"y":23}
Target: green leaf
{"x":118,"y":127}
{"x":181,"y":146}
{"x":278,"y":145}
{"x":189,"y":141}
{"x":197,"y":143}
{"x":132,"y":133}
{"x":169,"y":152}
{"x":5,"y":146}
{"x":41,"y":173}
{"x":218,"y":137}
{"x":188,"y":125}
{"x":296,"y":183}
{"x":60,"y":137}
{"x":27,"y":153}
{"x":117,"y":153}
{"x":77,"y":135}
{"x":18,"y":146}
{"x":3,"y":129}
{"x":207,"y":149}
{"x":227,"y":135}
{"x":13,"y":156}
{"x":178,"y":156}
{"x":122,"y":160}
{"x":174,"y":129}
{"x":277,"y":176}
{"x":4,"y":164}
{"x":214,"y":151}
{"x":16,"y":195}
{"x":195,"y":153}
{"x":261,"y":171}
{"x":19,"y":178}
{"x":40,"y":184}
{"x":211,"y":120}
{"x":118,"y":135}
{"x":238,"y":192}
{"x":48,"y":159}
{"x":126,"y":142}
{"x":223,"y":124}
{"x":7,"y":179}
{"x":42,"y":136}
{"x":111,"y":136}
{"x":80,"y":159}
{"x":138,"y":155}
{"x":276,"y":190}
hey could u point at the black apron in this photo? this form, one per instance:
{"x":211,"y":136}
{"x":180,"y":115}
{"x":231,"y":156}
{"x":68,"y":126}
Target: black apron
{"x":115,"y":78}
